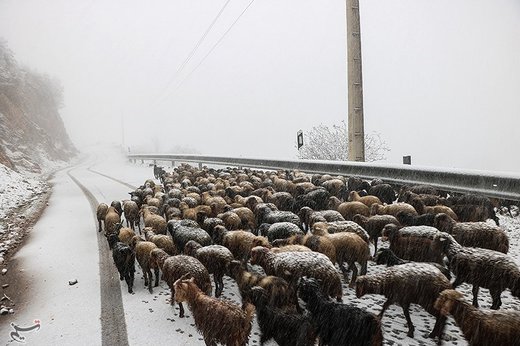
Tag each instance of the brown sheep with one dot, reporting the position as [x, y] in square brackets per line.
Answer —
[238, 242]
[436, 209]
[374, 225]
[480, 327]
[392, 209]
[340, 226]
[369, 200]
[112, 218]
[234, 323]
[162, 241]
[474, 234]
[156, 222]
[231, 220]
[142, 251]
[415, 243]
[349, 209]
[131, 211]
[291, 248]
[125, 234]
[313, 242]
[101, 212]
[175, 267]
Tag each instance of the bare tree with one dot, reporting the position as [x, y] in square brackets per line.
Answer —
[324, 142]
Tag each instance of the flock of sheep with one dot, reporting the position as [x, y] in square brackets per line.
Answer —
[300, 230]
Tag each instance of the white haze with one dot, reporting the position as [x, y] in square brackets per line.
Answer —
[441, 78]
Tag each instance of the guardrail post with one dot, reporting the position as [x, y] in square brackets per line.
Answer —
[173, 163]
[142, 161]
[200, 165]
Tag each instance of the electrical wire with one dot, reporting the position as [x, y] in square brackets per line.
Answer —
[213, 47]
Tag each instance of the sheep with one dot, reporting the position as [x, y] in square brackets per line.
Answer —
[247, 217]
[112, 218]
[231, 220]
[293, 265]
[474, 234]
[124, 234]
[349, 209]
[131, 211]
[175, 267]
[421, 208]
[385, 192]
[481, 268]
[335, 187]
[420, 189]
[117, 206]
[156, 222]
[162, 241]
[285, 327]
[374, 225]
[142, 251]
[357, 184]
[473, 208]
[101, 212]
[215, 258]
[239, 242]
[340, 226]
[279, 230]
[279, 293]
[316, 199]
[313, 242]
[217, 320]
[182, 232]
[353, 196]
[282, 200]
[124, 259]
[480, 327]
[414, 243]
[408, 219]
[264, 214]
[405, 284]
[339, 324]
[388, 257]
[392, 209]
[309, 216]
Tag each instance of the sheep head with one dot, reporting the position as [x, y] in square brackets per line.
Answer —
[360, 220]
[389, 231]
[443, 222]
[367, 285]
[446, 301]
[258, 254]
[308, 287]
[183, 286]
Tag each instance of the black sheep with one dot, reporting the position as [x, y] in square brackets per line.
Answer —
[339, 324]
[124, 259]
[286, 328]
[385, 192]
[408, 219]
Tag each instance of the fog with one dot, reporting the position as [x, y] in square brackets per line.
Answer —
[441, 78]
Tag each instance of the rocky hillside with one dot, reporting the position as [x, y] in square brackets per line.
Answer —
[31, 130]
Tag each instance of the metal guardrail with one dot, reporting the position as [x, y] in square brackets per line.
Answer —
[491, 184]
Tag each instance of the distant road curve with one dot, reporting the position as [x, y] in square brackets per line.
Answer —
[112, 178]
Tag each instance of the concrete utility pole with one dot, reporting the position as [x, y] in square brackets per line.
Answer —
[356, 131]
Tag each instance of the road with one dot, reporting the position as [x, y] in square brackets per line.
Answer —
[64, 245]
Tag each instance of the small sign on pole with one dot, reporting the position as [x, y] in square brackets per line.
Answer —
[407, 160]
[299, 139]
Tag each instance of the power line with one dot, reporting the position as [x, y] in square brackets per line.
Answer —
[214, 46]
[194, 50]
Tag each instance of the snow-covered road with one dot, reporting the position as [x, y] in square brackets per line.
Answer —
[64, 246]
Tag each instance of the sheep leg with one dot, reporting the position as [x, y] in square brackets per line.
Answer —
[181, 310]
[375, 245]
[129, 282]
[156, 270]
[150, 280]
[438, 327]
[209, 342]
[100, 226]
[495, 295]
[475, 295]
[385, 306]
[457, 282]
[219, 285]
[127, 224]
[354, 274]
[411, 328]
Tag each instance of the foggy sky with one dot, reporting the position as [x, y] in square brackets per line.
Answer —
[441, 78]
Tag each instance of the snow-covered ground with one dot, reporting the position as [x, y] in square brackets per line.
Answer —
[63, 246]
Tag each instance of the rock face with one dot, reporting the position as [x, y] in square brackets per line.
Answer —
[31, 130]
